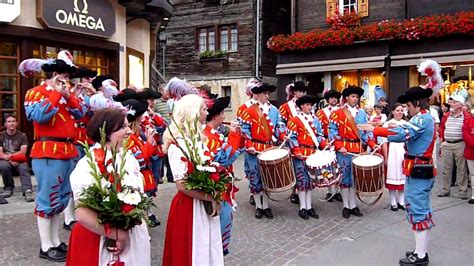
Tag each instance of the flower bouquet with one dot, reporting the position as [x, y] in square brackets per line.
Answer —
[115, 195]
[202, 174]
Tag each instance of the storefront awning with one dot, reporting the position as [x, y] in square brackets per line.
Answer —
[331, 65]
[456, 56]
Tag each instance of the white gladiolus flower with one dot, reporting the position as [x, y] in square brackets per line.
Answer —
[206, 168]
[132, 198]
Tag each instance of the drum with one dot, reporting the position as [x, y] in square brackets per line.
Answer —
[368, 173]
[276, 170]
[323, 168]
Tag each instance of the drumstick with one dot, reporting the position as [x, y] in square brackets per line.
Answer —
[329, 145]
[283, 143]
[353, 154]
[376, 148]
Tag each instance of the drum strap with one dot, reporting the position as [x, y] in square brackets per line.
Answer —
[292, 106]
[351, 121]
[310, 129]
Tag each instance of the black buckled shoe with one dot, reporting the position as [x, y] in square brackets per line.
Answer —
[69, 227]
[329, 197]
[346, 213]
[312, 213]
[153, 221]
[294, 199]
[62, 247]
[338, 197]
[401, 207]
[356, 212]
[259, 213]
[7, 193]
[413, 259]
[268, 213]
[393, 208]
[408, 253]
[303, 214]
[252, 200]
[53, 254]
[3, 200]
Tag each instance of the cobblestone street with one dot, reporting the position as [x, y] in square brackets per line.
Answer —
[287, 239]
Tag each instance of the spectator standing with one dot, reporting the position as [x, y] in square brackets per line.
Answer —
[453, 145]
[468, 136]
[384, 105]
[161, 107]
[378, 118]
[13, 147]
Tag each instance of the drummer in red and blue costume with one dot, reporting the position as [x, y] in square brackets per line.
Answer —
[248, 90]
[263, 128]
[305, 135]
[347, 138]
[222, 151]
[420, 136]
[332, 98]
[53, 109]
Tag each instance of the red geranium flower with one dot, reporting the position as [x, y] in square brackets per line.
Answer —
[215, 176]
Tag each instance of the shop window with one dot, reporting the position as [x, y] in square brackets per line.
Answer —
[457, 77]
[206, 39]
[95, 60]
[9, 79]
[228, 38]
[227, 91]
[135, 68]
[371, 80]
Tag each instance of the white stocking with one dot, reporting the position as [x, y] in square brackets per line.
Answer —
[44, 228]
[264, 201]
[401, 197]
[55, 223]
[258, 200]
[421, 242]
[302, 197]
[393, 197]
[345, 197]
[331, 189]
[69, 212]
[308, 200]
[352, 198]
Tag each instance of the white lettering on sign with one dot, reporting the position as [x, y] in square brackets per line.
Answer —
[79, 20]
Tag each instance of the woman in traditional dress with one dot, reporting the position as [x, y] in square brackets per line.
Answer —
[86, 243]
[192, 236]
[394, 153]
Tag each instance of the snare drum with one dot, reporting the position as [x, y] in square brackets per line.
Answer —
[276, 170]
[368, 173]
[323, 168]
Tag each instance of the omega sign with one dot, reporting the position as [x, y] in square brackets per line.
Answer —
[92, 17]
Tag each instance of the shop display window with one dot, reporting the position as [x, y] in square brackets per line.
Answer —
[457, 79]
[9, 77]
[135, 68]
[373, 82]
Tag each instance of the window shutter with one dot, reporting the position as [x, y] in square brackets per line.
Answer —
[331, 6]
[363, 8]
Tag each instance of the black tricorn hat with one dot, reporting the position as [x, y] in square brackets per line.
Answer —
[305, 99]
[353, 90]
[414, 94]
[332, 94]
[97, 82]
[59, 66]
[126, 94]
[299, 86]
[136, 108]
[149, 94]
[217, 107]
[263, 88]
[84, 72]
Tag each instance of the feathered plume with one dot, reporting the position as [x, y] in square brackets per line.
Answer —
[178, 88]
[66, 56]
[432, 70]
[110, 88]
[252, 84]
[289, 92]
[28, 67]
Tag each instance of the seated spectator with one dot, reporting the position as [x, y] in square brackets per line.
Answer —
[13, 146]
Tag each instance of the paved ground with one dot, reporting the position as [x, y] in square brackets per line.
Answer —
[378, 238]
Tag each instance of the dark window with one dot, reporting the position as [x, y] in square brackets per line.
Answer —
[227, 91]
[207, 39]
[228, 38]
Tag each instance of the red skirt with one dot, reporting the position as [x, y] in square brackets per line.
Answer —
[394, 187]
[178, 248]
[83, 247]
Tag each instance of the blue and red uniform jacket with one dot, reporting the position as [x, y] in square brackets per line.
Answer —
[53, 119]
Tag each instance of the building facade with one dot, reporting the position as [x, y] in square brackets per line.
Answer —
[218, 43]
[386, 63]
[114, 37]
